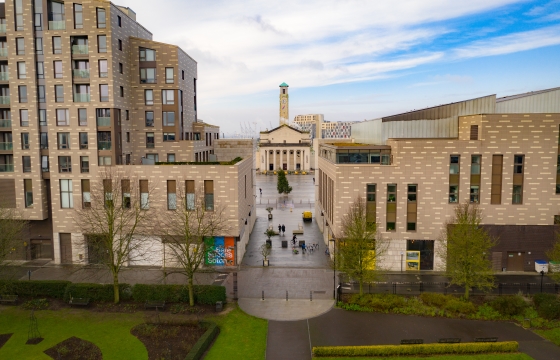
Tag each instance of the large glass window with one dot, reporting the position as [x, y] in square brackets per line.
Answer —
[101, 43]
[22, 91]
[18, 4]
[168, 118]
[168, 97]
[84, 164]
[63, 140]
[44, 140]
[517, 194]
[103, 69]
[169, 75]
[43, 117]
[20, 46]
[39, 46]
[150, 143]
[147, 54]
[64, 164]
[82, 117]
[149, 118]
[40, 70]
[101, 18]
[57, 44]
[26, 164]
[41, 95]
[66, 199]
[22, 71]
[103, 92]
[475, 164]
[83, 140]
[147, 75]
[209, 195]
[56, 15]
[25, 141]
[518, 164]
[149, 97]
[28, 189]
[24, 117]
[57, 65]
[78, 17]
[168, 136]
[59, 93]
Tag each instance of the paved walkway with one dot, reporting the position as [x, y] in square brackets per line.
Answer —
[282, 310]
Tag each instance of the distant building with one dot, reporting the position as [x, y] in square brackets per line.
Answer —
[328, 129]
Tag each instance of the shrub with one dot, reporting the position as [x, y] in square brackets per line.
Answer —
[378, 302]
[509, 305]
[549, 309]
[36, 304]
[203, 294]
[423, 349]
[96, 292]
[35, 288]
[487, 312]
[200, 347]
[538, 299]
[434, 299]
[209, 294]
[457, 306]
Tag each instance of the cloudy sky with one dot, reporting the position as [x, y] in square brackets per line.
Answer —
[355, 59]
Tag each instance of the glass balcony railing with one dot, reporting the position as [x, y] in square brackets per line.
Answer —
[6, 146]
[77, 73]
[4, 100]
[4, 76]
[57, 25]
[81, 97]
[150, 145]
[80, 49]
[2, 28]
[104, 145]
[4, 52]
[6, 167]
[5, 123]
[103, 121]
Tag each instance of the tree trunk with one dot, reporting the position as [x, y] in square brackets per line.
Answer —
[361, 288]
[467, 288]
[116, 288]
[191, 291]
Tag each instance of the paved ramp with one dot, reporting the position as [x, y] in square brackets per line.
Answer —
[282, 310]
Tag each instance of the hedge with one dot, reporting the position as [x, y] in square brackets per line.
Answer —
[34, 288]
[203, 294]
[204, 342]
[421, 349]
[96, 292]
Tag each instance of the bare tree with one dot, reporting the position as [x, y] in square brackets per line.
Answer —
[554, 255]
[189, 231]
[360, 249]
[12, 228]
[466, 248]
[116, 222]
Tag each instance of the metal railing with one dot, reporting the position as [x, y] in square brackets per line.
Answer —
[150, 145]
[4, 52]
[6, 167]
[4, 100]
[80, 49]
[103, 121]
[6, 146]
[81, 97]
[104, 145]
[4, 76]
[2, 28]
[5, 123]
[80, 74]
[57, 25]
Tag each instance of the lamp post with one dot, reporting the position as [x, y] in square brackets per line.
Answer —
[401, 259]
[542, 277]
[334, 267]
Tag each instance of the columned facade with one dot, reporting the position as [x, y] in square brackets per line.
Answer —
[290, 158]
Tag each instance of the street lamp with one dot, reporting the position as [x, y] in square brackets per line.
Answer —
[334, 267]
[542, 277]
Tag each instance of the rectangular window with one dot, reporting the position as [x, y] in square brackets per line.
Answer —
[41, 95]
[24, 117]
[22, 91]
[169, 75]
[101, 18]
[66, 198]
[150, 143]
[125, 189]
[104, 161]
[84, 164]
[518, 170]
[44, 140]
[170, 157]
[474, 194]
[168, 136]
[39, 46]
[454, 163]
[28, 189]
[25, 141]
[59, 93]
[78, 17]
[64, 164]
[147, 55]
[103, 69]
[121, 91]
[22, 70]
[371, 207]
[57, 65]
[40, 70]
[475, 164]
[103, 92]
[209, 195]
[144, 195]
[62, 117]
[127, 138]
[86, 194]
[149, 118]
[474, 132]
[121, 68]
[57, 44]
[103, 117]
[518, 164]
[147, 75]
[168, 118]
[56, 15]
[168, 97]
[42, 117]
[20, 46]
[149, 97]
[101, 43]
[171, 195]
[26, 164]
[83, 140]
[496, 190]
[18, 4]
[63, 141]
[82, 117]
[391, 207]
[120, 44]
[127, 114]
[104, 140]
[517, 194]
[44, 163]
[183, 74]
[189, 187]
[119, 21]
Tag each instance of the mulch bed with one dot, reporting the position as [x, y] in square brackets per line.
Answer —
[4, 339]
[167, 341]
[74, 349]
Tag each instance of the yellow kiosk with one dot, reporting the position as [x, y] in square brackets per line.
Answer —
[412, 260]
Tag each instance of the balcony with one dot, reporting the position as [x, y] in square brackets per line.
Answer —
[6, 146]
[5, 123]
[80, 98]
[150, 145]
[80, 49]
[103, 121]
[78, 74]
[6, 167]
[57, 25]
[4, 100]
[2, 28]
[4, 76]
[3, 52]
[104, 145]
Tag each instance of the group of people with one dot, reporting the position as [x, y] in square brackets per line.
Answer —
[281, 229]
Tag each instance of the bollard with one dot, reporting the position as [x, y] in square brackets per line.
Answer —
[311, 296]
[286, 295]
[263, 294]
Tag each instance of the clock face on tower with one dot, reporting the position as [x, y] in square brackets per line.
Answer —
[284, 101]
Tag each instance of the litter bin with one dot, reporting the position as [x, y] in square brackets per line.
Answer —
[541, 265]
[554, 266]
[219, 306]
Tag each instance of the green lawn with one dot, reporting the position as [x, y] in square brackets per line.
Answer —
[446, 357]
[109, 331]
[552, 335]
[241, 336]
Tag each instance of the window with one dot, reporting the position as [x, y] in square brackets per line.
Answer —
[62, 117]
[121, 91]
[169, 75]
[20, 46]
[28, 189]
[121, 68]
[22, 91]
[183, 74]
[44, 163]
[86, 195]
[84, 164]
[556, 219]
[22, 71]
[474, 194]
[127, 114]
[147, 55]
[82, 117]
[391, 193]
[168, 136]
[209, 195]
[144, 195]
[168, 118]
[42, 117]
[104, 161]
[101, 19]
[496, 189]
[101, 43]
[59, 93]
[454, 164]
[103, 92]
[25, 141]
[24, 117]
[38, 6]
[127, 138]
[147, 75]
[64, 164]
[40, 70]
[66, 199]
[171, 195]
[371, 207]
[149, 97]
[41, 96]
[44, 140]
[168, 97]
[103, 69]
[57, 44]
[104, 140]
[26, 164]
[391, 212]
[56, 15]
[63, 141]
[453, 193]
[411, 196]
[474, 132]
[150, 144]
[57, 65]
[120, 44]
[39, 46]
[125, 190]
[119, 21]
[83, 140]
[103, 117]
[518, 164]
[475, 164]
[149, 118]
[78, 17]
[170, 157]
[18, 4]
[517, 194]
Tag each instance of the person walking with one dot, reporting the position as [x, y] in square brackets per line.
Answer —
[260, 189]
[283, 230]
[279, 229]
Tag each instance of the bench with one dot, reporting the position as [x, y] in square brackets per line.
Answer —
[8, 299]
[297, 232]
[449, 340]
[486, 339]
[412, 341]
[79, 301]
[154, 304]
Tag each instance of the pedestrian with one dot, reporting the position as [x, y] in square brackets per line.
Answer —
[313, 180]
[302, 248]
[260, 189]
[279, 229]
[283, 230]
[294, 238]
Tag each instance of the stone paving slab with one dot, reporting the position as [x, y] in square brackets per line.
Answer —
[288, 340]
[282, 310]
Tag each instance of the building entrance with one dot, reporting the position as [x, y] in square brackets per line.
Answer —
[41, 249]
[271, 167]
[515, 261]
[426, 249]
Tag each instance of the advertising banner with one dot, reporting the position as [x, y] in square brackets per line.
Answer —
[220, 251]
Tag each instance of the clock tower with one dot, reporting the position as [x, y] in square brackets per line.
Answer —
[284, 104]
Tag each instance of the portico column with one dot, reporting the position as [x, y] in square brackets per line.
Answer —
[295, 159]
[303, 160]
[266, 159]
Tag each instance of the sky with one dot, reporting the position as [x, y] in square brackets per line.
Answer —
[353, 60]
